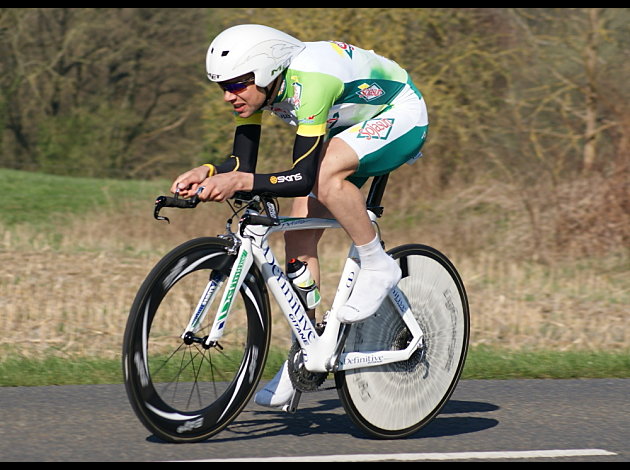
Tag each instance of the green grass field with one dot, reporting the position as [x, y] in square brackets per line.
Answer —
[75, 250]
[481, 363]
[37, 198]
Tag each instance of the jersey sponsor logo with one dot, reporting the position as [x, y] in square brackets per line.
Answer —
[281, 113]
[370, 92]
[296, 99]
[307, 119]
[285, 179]
[376, 129]
[342, 48]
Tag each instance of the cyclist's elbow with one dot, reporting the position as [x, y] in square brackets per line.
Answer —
[305, 186]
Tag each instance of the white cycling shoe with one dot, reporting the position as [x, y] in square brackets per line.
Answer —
[370, 291]
[278, 392]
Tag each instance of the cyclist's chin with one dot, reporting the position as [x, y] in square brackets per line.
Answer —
[244, 111]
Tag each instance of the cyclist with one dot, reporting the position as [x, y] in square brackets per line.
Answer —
[356, 113]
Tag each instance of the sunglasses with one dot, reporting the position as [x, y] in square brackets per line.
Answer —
[236, 87]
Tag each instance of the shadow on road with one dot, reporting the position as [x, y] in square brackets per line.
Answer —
[326, 418]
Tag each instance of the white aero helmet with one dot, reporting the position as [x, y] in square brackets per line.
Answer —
[248, 48]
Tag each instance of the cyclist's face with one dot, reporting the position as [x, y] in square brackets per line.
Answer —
[244, 96]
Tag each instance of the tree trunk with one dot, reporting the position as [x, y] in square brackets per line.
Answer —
[590, 131]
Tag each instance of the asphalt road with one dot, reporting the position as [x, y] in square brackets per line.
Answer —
[541, 420]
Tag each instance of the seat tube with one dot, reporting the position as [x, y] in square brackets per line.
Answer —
[348, 278]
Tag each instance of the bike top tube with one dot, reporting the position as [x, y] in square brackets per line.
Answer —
[373, 203]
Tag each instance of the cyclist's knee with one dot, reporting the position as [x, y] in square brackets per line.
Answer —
[331, 187]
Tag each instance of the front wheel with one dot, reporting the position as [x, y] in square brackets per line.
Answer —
[180, 390]
[396, 400]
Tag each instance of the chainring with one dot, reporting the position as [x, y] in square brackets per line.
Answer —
[302, 379]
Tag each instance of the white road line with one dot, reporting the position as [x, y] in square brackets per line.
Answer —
[517, 454]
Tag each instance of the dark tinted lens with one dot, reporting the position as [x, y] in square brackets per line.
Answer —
[236, 87]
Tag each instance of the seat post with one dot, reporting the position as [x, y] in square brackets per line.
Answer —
[375, 195]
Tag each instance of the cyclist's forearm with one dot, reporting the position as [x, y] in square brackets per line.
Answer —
[244, 151]
[300, 179]
[246, 143]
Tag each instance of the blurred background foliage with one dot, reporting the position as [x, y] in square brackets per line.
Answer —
[533, 99]
[123, 93]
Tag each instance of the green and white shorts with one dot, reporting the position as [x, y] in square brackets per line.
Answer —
[388, 140]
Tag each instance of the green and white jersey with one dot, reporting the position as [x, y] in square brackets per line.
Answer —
[332, 89]
[332, 85]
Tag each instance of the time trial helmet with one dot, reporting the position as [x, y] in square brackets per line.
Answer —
[247, 48]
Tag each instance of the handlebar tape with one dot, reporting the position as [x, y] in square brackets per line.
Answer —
[166, 201]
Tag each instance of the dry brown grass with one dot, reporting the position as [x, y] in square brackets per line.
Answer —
[68, 290]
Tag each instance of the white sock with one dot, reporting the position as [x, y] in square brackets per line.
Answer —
[378, 275]
[278, 391]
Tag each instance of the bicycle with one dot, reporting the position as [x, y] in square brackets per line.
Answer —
[188, 374]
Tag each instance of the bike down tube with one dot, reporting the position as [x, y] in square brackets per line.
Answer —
[282, 290]
[318, 349]
[243, 262]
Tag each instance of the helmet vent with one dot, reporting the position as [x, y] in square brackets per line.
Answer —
[224, 53]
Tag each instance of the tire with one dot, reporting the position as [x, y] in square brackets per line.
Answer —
[185, 392]
[397, 400]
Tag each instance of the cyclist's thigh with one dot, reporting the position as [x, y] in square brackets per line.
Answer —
[390, 139]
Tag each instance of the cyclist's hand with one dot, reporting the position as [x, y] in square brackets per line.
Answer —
[223, 186]
[187, 183]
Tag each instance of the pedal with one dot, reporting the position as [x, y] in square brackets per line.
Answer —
[291, 407]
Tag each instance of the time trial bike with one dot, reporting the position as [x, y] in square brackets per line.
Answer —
[199, 331]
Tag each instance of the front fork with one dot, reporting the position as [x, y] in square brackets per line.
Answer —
[242, 264]
[207, 298]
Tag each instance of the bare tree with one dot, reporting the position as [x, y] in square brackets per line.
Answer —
[100, 91]
[562, 83]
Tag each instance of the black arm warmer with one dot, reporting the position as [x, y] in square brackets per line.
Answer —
[244, 151]
[299, 180]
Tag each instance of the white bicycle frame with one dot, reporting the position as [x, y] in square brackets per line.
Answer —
[318, 350]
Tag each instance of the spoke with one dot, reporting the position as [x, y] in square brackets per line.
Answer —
[195, 385]
[165, 361]
[208, 358]
[177, 374]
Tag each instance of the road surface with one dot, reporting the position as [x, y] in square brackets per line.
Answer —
[540, 420]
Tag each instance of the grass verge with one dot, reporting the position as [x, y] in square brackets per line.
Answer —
[38, 198]
[489, 363]
[482, 363]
